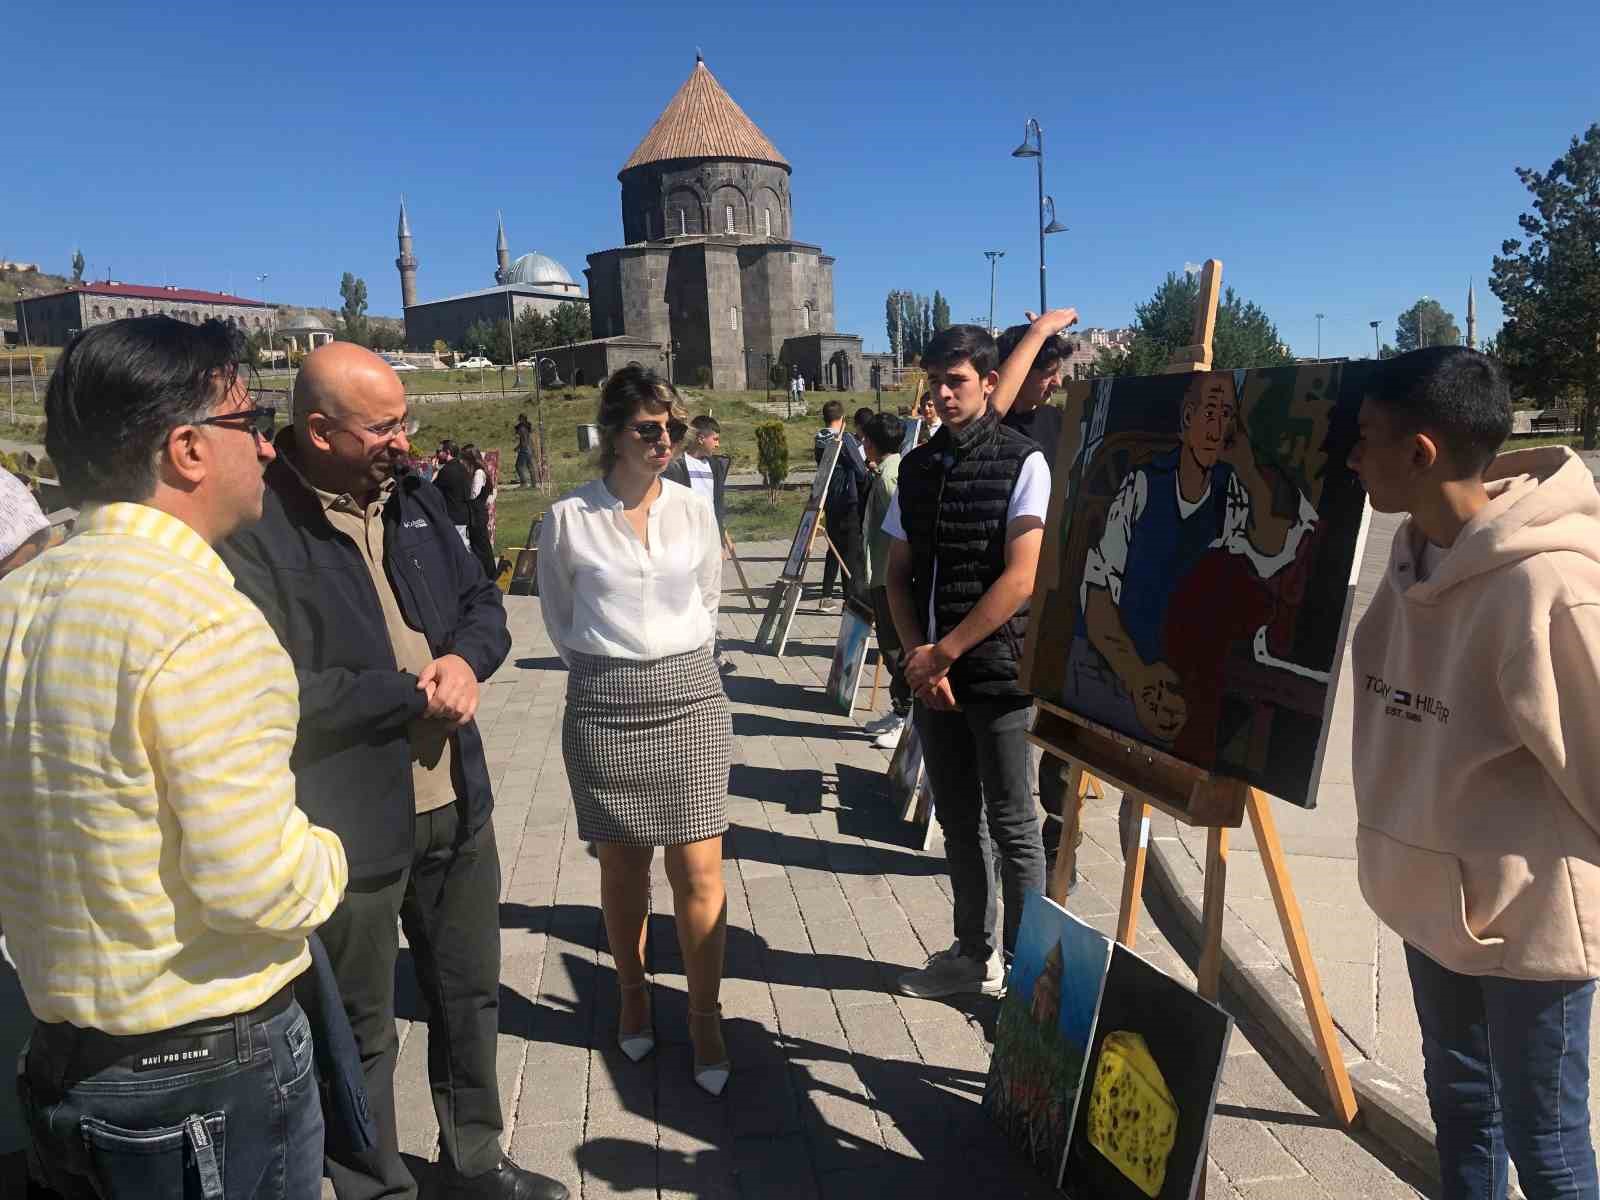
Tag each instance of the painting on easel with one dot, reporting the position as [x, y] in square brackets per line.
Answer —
[1195, 591]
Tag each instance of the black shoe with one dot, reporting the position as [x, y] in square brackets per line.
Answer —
[505, 1182]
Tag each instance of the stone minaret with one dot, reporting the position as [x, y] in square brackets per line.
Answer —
[1472, 318]
[407, 262]
[502, 254]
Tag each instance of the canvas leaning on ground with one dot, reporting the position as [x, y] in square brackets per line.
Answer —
[1042, 1037]
[1195, 583]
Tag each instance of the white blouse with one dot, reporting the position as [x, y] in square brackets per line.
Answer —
[604, 593]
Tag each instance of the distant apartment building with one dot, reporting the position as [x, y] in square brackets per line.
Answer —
[1087, 345]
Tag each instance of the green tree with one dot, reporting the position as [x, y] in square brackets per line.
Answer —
[77, 266]
[1425, 323]
[941, 312]
[1244, 337]
[772, 456]
[492, 338]
[1549, 283]
[353, 313]
[385, 337]
[915, 321]
[570, 323]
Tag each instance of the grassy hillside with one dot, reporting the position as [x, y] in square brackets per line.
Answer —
[11, 282]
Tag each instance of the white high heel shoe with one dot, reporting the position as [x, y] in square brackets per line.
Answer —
[713, 1077]
[637, 1045]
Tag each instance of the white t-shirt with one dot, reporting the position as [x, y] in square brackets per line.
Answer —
[1030, 498]
[700, 477]
[603, 592]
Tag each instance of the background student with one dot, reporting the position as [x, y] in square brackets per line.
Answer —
[705, 472]
[1477, 750]
[841, 508]
[881, 443]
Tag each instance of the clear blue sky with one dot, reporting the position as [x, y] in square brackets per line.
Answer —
[1344, 159]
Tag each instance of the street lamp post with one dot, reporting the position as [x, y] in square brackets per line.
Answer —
[1319, 336]
[993, 256]
[1033, 147]
[1376, 352]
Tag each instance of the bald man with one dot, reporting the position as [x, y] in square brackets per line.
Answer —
[392, 626]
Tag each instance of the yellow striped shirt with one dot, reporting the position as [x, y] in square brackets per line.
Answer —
[154, 869]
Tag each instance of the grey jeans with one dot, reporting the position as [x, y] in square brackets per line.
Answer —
[979, 765]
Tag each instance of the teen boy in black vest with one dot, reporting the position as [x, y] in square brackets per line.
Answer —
[967, 524]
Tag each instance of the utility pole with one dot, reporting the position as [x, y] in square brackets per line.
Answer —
[1376, 351]
[993, 256]
[899, 332]
[1319, 336]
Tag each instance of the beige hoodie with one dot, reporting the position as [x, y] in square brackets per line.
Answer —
[1477, 732]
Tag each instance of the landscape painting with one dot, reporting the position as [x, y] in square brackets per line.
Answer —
[1042, 1037]
[1199, 563]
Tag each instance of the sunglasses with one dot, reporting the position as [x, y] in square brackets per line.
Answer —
[651, 431]
[260, 421]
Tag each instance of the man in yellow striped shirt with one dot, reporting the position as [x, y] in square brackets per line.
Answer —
[157, 881]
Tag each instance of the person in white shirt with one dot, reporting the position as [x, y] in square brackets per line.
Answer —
[705, 472]
[24, 531]
[630, 576]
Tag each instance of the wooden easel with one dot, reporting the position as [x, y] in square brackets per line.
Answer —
[733, 553]
[1150, 779]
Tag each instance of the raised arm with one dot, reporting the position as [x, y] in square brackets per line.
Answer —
[1015, 369]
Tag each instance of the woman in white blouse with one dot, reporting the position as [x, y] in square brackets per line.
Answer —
[630, 574]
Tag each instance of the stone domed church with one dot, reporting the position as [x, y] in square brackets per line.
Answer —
[709, 283]
[709, 262]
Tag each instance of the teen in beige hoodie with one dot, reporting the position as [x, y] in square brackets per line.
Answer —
[1477, 765]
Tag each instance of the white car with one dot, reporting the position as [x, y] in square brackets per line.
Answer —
[476, 363]
[404, 366]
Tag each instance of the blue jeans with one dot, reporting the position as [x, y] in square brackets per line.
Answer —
[108, 1124]
[1507, 1068]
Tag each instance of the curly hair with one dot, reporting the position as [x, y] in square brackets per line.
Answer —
[631, 390]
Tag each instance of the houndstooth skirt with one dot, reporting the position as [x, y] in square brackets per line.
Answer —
[647, 746]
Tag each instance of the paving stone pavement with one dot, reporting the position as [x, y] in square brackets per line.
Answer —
[841, 1088]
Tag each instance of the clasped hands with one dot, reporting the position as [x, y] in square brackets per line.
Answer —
[927, 670]
[452, 691]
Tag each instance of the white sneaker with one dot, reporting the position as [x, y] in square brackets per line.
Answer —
[889, 739]
[889, 720]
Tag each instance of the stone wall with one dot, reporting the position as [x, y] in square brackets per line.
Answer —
[449, 320]
[691, 197]
[50, 320]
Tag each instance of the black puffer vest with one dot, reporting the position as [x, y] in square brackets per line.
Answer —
[954, 493]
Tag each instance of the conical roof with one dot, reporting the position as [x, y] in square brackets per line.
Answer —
[702, 121]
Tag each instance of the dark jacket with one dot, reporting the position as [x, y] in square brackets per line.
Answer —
[954, 495]
[1042, 424]
[678, 472]
[352, 756]
[847, 490]
[454, 482]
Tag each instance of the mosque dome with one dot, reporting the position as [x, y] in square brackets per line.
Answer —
[536, 269]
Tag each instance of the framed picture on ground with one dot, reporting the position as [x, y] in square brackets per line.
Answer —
[849, 657]
[1045, 1029]
[910, 793]
[1144, 1113]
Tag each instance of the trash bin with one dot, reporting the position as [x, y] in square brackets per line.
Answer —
[588, 437]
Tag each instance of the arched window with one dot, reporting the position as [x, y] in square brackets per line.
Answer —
[728, 210]
[805, 317]
[258, 322]
[96, 312]
[144, 312]
[766, 222]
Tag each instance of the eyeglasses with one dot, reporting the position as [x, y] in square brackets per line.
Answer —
[389, 430]
[260, 421]
[649, 431]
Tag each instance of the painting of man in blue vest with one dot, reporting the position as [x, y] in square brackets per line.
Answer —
[1201, 526]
